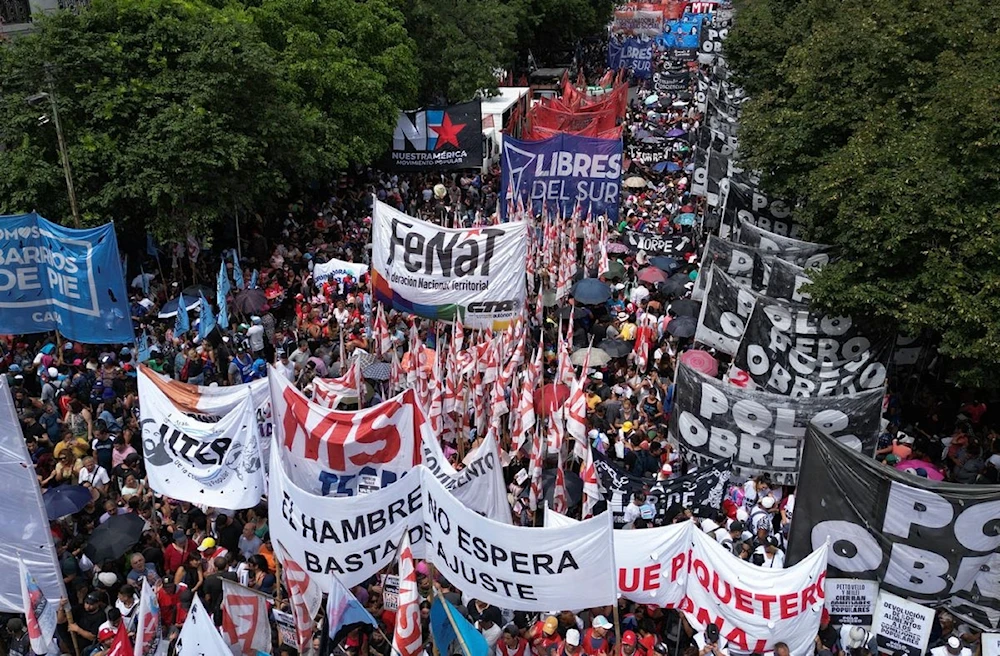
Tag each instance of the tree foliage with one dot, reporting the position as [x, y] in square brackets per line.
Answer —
[883, 118]
[176, 113]
[549, 28]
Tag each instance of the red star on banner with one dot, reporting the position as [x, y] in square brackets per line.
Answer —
[447, 132]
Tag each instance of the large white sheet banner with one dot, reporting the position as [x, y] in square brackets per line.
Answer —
[214, 463]
[351, 537]
[343, 453]
[479, 485]
[516, 567]
[337, 270]
[24, 527]
[678, 566]
[438, 273]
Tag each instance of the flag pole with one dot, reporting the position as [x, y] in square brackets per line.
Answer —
[614, 583]
[66, 608]
[430, 597]
[458, 634]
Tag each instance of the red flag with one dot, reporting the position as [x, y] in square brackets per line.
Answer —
[121, 645]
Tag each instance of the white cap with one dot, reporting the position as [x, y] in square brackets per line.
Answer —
[597, 375]
[601, 622]
[709, 525]
[767, 502]
[573, 637]
[742, 514]
[53, 372]
[954, 642]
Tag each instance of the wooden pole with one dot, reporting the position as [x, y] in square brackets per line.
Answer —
[69, 620]
[433, 575]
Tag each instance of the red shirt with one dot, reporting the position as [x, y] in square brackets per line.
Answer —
[174, 557]
[520, 650]
[169, 604]
[592, 644]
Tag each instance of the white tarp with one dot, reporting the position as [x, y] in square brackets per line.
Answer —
[435, 272]
[24, 527]
[517, 567]
[338, 270]
[479, 485]
[341, 452]
[678, 566]
[214, 463]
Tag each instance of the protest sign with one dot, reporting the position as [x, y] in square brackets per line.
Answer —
[353, 538]
[780, 243]
[515, 567]
[57, 278]
[763, 432]
[851, 601]
[789, 350]
[670, 245]
[476, 274]
[285, 624]
[561, 173]
[732, 259]
[480, 484]
[632, 54]
[701, 491]
[24, 534]
[440, 138]
[216, 463]
[338, 451]
[390, 591]
[637, 21]
[886, 525]
[337, 270]
[901, 625]
[724, 312]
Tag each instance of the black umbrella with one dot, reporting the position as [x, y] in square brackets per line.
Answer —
[65, 500]
[115, 537]
[591, 291]
[675, 286]
[685, 308]
[666, 264]
[249, 301]
[616, 348]
[199, 290]
[377, 371]
[682, 326]
[567, 310]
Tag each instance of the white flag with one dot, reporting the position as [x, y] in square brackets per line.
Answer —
[148, 638]
[244, 619]
[198, 635]
[39, 613]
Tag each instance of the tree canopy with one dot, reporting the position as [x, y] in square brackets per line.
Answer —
[176, 113]
[883, 119]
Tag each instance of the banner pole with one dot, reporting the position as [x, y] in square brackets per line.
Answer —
[69, 620]
[614, 582]
[433, 574]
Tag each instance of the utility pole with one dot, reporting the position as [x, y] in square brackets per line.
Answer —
[61, 138]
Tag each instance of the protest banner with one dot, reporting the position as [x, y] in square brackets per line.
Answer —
[700, 491]
[734, 260]
[562, 173]
[476, 274]
[779, 242]
[440, 138]
[724, 312]
[24, 534]
[353, 538]
[57, 278]
[926, 541]
[763, 432]
[746, 204]
[341, 452]
[337, 270]
[669, 245]
[480, 484]
[637, 21]
[787, 349]
[632, 54]
[245, 625]
[515, 567]
[216, 463]
[851, 601]
[901, 625]
[786, 280]
[678, 566]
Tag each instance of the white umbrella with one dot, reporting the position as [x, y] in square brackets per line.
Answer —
[635, 182]
[598, 357]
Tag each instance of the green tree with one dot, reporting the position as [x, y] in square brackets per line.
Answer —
[882, 118]
[551, 29]
[461, 45]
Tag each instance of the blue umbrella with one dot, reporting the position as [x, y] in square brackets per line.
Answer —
[667, 166]
[169, 309]
[591, 291]
[676, 133]
[666, 264]
[65, 500]
[686, 219]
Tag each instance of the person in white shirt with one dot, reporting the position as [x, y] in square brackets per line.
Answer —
[255, 335]
[284, 366]
[633, 510]
[93, 474]
[952, 648]
[774, 557]
[710, 643]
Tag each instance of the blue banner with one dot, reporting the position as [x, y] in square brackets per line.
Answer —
[634, 54]
[55, 278]
[683, 33]
[561, 172]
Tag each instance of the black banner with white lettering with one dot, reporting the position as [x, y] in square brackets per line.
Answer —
[666, 82]
[438, 138]
[785, 281]
[724, 313]
[788, 350]
[672, 245]
[802, 253]
[747, 204]
[934, 543]
[700, 492]
[734, 260]
[763, 432]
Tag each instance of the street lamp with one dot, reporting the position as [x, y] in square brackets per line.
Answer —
[63, 155]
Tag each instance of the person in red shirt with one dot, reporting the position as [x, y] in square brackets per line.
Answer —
[169, 600]
[571, 646]
[209, 552]
[544, 637]
[628, 644]
[511, 643]
[596, 639]
[177, 552]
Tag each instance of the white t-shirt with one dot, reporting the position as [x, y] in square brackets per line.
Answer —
[99, 476]
[943, 651]
[255, 334]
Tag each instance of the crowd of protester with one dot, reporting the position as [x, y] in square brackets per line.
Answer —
[78, 409]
